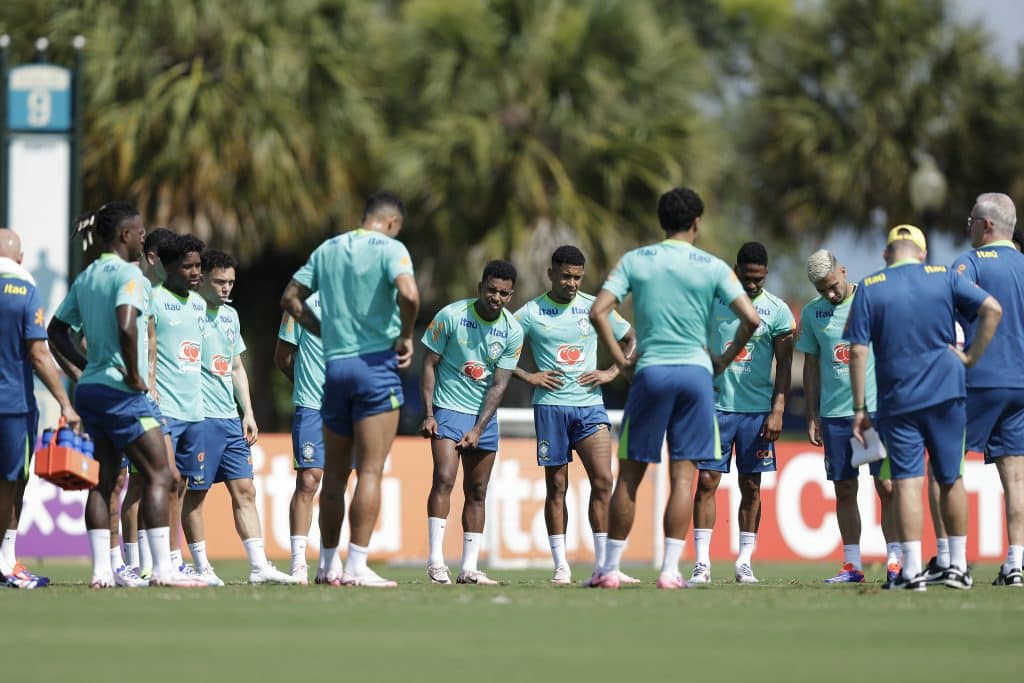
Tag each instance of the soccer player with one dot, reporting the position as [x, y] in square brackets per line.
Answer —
[568, 406]
[108, 302]
[179, 316]
[830, 409]
[674, 287]
[300, 356]
[369, 302]
[226, 438]
[22, 349]
[473, 346]
[995, 386]
[920, 377]
[748, 407]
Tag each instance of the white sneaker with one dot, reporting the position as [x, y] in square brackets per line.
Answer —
[626, 578]
[439, 575]
[177, 580]
[301, 574]
[367, 579]
[268, 573]
[563, 576]
[744, 574]
[475, 577]
[102, 581]
[188, 571]
[210, 577]
[125, 577]
[701, 574]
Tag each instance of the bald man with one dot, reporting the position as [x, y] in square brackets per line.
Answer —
[22, 349]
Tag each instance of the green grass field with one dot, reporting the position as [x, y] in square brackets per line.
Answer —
[790, 627]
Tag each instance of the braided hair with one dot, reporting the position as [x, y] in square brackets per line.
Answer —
[103, 222]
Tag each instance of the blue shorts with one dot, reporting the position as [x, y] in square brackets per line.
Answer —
[559, 428]
[188, 439]
[118, 416]
[159, 417]
[995, 422]
[227, 455]
[453, 425]
[677, 399]
[15, 447]
[940, 428]
[836, 433]
[307, 438]
[33, 428]
[742, 432]
[360, 387]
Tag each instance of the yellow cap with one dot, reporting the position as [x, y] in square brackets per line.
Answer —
[908, 232]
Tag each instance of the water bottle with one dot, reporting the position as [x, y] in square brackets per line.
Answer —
[66, 437]
[88, 447]
[47, 437]
[77, 442]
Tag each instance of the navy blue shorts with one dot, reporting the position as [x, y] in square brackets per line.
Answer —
[188, 440]
[560, 428]
[360, 387]
[451, 424]
[940, 428]
[307, 438]
[995, 422]
[15, 446]
[677, 399]
[118, 416]
[836, 433]
[227, 455]
[741, 432]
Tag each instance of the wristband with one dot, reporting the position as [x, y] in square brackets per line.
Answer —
[860, 409]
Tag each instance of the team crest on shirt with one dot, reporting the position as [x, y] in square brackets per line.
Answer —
[495, 349]
[230, 334]
[308, 450]
[543, 448]
[570, 354]
[584, 326]
[201, 457]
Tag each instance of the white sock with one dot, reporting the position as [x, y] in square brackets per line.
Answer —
[257, 555]
[557, 543]
[893, 553]
[958, 552]
[160, 551]
[702, 546]
[471, 542]
[851, 555]
[131, 551]
[198, 551]
[116, 558]
[942, 552]
[298, 552]
[355, 563]
[145, 554]
[435, 531]
[673, 551]
[747, 542]
[613, 556]
[99, 543]
[330, 563]
[1014, 555]
[600, 548]
[911, 558]
[7, 553]
[176, 559]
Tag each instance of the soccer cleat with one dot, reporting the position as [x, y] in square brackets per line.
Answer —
[933, 574]
[563, 576]
[611, 581]
[268, 573]
[189, 571]
[892, 570]
[439, 574]
[144, 573]
[1010, 578]
[592, 581]
[102, 581]
[627, 579]
[475, 577]
[744, 574]
[301, 574]
[23, 574]
[669, 581]
[210, 577]
[701, 574]
[177, 580]
[125, 577]
[955, 578]
[21, 583]
[919, 583]
[847, 574]
[324, 578]
[367, 579]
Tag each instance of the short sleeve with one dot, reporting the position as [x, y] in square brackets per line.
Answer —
[34, 317]
[397, 260]
[966, 267]
[524, 317]
[68, 310]
[806, 341]
[783, 322]
[239, 342]
[727, 285]
[618, 280]
[619, 324]
[510, 356]
[307, 274]
[858, 324]
[967, 296]
[436, 336]
[131, 290]
[288, 331]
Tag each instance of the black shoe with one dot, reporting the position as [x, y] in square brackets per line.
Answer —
[955, 578]
[933, 573]
[917, 583]
[1011, 578]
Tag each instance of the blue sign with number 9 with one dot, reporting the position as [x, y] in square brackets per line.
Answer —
[39, 98]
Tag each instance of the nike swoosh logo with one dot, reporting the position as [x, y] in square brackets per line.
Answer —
[174, 323]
